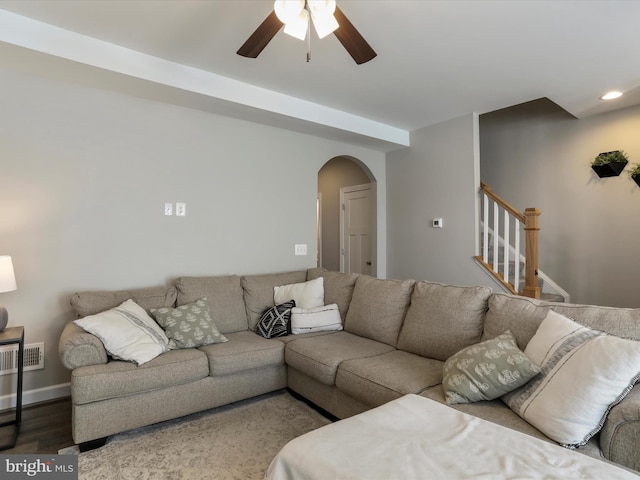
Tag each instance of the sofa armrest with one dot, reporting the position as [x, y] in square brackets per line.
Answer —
[620, 435]
[78, 348]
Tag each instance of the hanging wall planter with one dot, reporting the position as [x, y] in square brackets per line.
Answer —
[635, 174]
[610, 164]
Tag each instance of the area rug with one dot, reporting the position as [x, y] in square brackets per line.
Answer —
[237, 441]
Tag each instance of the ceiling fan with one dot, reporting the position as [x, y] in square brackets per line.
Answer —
[297, 16]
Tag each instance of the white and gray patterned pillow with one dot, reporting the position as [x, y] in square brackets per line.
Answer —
[189, 325]
[275, 321]
[584, 374]
[486, 370]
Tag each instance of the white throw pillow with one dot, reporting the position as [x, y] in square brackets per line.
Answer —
[128, 332]
[306, 294]
[584, 374]
[319, 319]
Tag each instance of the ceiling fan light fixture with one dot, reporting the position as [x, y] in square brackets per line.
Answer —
[322, 15]
[324, 24]
[298, 27]
[288, 10]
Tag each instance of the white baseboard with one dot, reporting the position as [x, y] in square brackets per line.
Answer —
[36, 395]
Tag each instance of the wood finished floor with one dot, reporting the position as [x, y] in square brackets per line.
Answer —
[46, 428]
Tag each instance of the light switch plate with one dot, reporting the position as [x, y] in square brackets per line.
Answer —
[437, 223]
[168, 208]
[181, 209]
[301, 249]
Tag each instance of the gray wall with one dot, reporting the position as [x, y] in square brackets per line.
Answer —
[85, 175]
[537, 155]
[337, 173]
[436, 177]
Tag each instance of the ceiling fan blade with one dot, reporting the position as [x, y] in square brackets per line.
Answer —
[351, 39]
[261, 37]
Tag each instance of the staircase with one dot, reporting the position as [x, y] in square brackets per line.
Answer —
[501, 228]
[549, 291]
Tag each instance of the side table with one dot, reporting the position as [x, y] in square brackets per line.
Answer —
[10, 336]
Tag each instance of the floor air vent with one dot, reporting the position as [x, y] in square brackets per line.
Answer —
[33, 358]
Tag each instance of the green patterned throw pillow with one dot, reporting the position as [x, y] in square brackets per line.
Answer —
[189, 325]
[486, 370]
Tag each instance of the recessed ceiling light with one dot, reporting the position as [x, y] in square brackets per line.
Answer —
[611, 95]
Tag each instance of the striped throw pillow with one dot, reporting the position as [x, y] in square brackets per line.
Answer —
[584, 373]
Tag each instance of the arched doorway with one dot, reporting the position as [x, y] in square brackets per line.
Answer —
[347, 190]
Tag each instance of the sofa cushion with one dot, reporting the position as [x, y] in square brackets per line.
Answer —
[443, 319]
[225, 297]
[319, 356]
[258, 292]
[523, 316]
[378, 308]
[90, 303]
[119, 379]
[306, 294]
[338, 288]
[584, 373]
[244, 351]
[520, 315]
[377, 380]
[188, 325]
[487, 370]
[621, 322]
[127, 332]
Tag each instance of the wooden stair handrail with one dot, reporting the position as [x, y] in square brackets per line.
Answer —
[531, 226]
[503, 203]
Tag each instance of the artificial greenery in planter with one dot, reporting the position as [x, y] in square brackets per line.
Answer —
[610, 164]
[635, 174]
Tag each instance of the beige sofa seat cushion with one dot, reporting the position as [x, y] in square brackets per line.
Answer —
[118, 379]
[377, 380]
[225, 297]
[244, 351]
[90, 303]
[378, 308]
[497, 412]
[258, 292]
[443, 319]
[338, 288]
[319, 357]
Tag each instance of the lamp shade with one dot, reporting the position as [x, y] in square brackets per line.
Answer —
[7, 277]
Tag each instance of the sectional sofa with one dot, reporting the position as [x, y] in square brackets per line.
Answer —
[397, 338]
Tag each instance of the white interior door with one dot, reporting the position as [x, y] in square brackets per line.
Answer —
[355, 229]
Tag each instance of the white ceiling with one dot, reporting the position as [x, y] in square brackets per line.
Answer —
[436, 59]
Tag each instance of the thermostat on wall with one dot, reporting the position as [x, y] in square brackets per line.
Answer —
[437, 223]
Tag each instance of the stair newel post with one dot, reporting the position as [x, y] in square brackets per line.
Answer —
[531, 228]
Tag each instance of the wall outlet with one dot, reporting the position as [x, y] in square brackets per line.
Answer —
[437, 223]
[301, 249]
[181, 209]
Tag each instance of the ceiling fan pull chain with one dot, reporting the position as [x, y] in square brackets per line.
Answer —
[306, 5]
